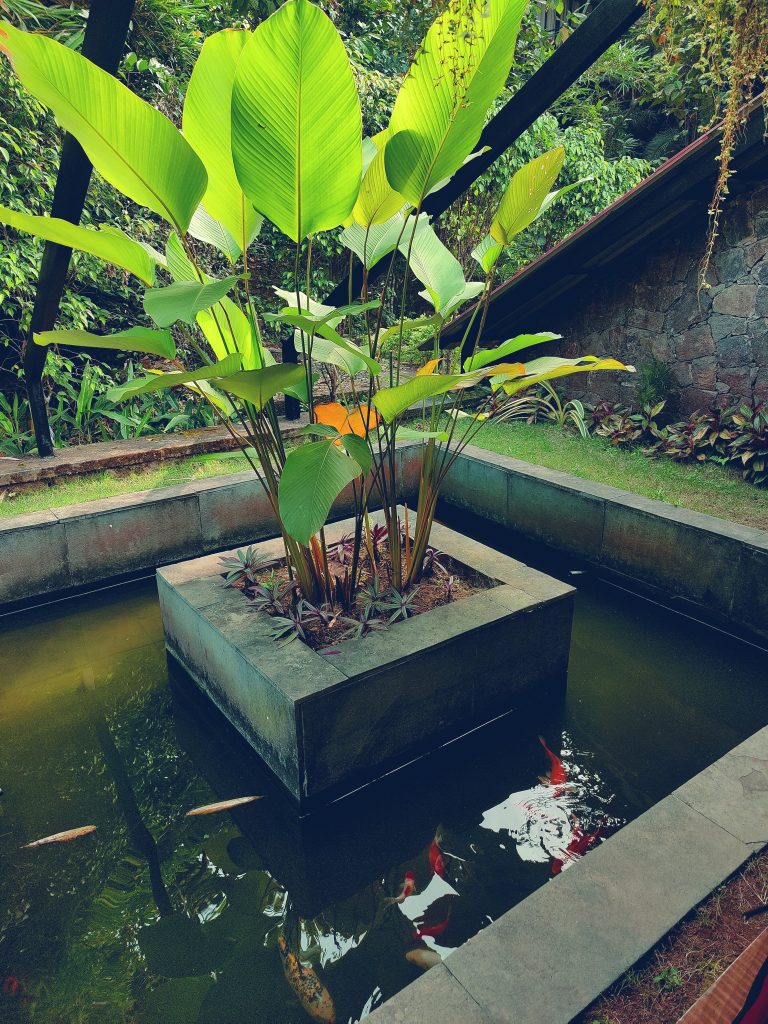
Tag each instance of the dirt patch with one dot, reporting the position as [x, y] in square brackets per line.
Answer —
[691, 958]
[376, 607]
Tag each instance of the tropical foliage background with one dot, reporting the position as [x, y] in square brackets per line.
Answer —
[628, 112]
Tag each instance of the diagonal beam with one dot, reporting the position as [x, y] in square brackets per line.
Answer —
[607, 23]
[105, 34]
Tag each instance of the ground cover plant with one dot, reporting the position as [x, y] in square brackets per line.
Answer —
[289, 149]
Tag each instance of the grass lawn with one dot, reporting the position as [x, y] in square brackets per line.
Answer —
[716, 490]
[73, 490]
[704, 488]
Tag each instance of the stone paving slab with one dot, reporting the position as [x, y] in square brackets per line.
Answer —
[435, 997]
[554, 953]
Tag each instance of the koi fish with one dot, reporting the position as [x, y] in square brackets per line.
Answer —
[12, 986]
[576, 849]
[432, 930]
[225, 805]
[61, 837]
[423, 958]
[556, 775]
[408, 888]
[312, 994]
[436, 859]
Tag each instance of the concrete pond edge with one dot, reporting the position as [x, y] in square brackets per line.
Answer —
[695, 563]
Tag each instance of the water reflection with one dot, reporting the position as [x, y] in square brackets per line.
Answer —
[255, 915]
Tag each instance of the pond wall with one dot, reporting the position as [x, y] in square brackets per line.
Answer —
[711, 568]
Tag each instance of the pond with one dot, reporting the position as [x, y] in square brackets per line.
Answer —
[252, 916]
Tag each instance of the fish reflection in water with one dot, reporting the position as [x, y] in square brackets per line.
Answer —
[542, 820]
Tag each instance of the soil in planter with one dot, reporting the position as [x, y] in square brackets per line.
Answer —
[444, 580]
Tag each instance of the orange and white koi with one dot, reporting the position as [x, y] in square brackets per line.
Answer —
[423, 958]
[576, 849]
[407, 889]
[312, 994]
[556, 775]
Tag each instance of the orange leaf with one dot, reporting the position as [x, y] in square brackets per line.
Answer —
[224, 805]
[332, 414]
[62, 837]
[428, 368]
[360, 421]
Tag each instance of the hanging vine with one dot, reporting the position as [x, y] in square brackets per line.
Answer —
[724, 45]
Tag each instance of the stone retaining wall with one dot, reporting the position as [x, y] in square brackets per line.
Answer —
[715, 341]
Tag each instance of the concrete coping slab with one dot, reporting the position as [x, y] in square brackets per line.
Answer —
[552, 955]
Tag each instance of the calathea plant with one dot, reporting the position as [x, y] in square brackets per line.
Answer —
[272, 129]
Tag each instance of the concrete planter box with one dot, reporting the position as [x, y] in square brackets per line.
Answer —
[326, 724]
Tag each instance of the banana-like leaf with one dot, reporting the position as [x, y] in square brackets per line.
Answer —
[210, 231]
[296, 122]
[377, 201]
[438, 270]
[135, 147]
[313, 477]
[439, 112]
[258, 386]
[506, 348]
[550, 367]
[326, 352]
[135, 339]
[325, 331]
[228, 329]
[178, 264]
[373, 244]
[184, 300]
[525, 195]
[393, 402]
[358, 448]
[109, 244]
[332, 314]
[161, 381]
[487, 253]
[207, 125]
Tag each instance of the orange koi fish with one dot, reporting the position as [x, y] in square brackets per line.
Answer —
[432, 930]
[556, 775]
[436, 859]
[423, 958]
[312, 994]
[408, 888]
[576, 849]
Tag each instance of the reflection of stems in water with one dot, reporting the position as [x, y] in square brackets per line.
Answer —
[140, 835]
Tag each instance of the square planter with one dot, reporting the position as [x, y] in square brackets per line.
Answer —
[327, 724]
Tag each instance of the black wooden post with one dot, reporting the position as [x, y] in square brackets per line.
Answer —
[607, 23]
[105, 35]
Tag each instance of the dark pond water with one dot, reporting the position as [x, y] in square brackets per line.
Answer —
[157, 917]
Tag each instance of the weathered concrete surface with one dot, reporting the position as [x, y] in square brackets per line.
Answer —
[325, 725]
[554, 953]
[709, 567]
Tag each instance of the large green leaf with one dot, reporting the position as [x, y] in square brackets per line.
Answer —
[393, 402]
[161, 381]
[184, 300]
[135, 339]
[438, 270]
[135, 147]
[506, 348]
[109, 244]
[439, 112]
[487, 253]
[208, 103]
[313, 477]
[296, 122]
[525, 194]
[320, 330]
[372, 244]
[549, 367]
[377, 201]
[228, 329]
[258, 386]
[210, 231]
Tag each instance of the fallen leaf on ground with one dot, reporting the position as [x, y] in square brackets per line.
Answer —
[62, 837]
[223, 806]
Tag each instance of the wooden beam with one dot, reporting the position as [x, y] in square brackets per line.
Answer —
[105, 34]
